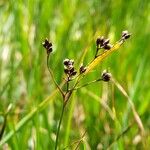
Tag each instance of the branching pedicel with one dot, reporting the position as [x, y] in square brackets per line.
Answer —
[73, 76]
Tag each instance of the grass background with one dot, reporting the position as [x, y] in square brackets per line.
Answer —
[71, 26]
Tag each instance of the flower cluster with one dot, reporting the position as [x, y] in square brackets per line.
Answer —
[69, 68]
[48, 46]
[125, 35]
[82, 69]
[106, 76]
[101, 42]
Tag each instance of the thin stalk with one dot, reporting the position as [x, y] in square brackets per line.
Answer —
[88, 84]
[51, 73]
[97, 49]
[67, 84]
[77, 81]
[3, 127]
[60, 121]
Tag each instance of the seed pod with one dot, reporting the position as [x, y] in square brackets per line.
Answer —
[66, 62]
[71, 69]
[125, 35]
[74, 73]
[100, 41]
[108, 46]
[49, 50]
[82, 69]
[66, 70]
[106, 76]
[47, 45]
[106, 41]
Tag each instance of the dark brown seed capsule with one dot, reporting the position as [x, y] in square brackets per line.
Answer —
[50, 50]
[71, 69]
[66, 62]
[108, 46]
[125, 34]
[106, 76]
[82, 69]
[66, 71]
[47, 45]
[100, 41]
[74, 73]
[106, 41]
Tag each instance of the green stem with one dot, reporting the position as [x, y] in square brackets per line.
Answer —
[3, 127]
[97, 49]
[52, 76]
[86, 84]
[60, 121]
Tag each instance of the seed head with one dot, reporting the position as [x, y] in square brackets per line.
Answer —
[125, 34]
[66, 61]
[48, 46]
[82, 69]
[107, 46]
[66, 70]
[103, 43]
[106, 76]
[99, 41]
[106, 41]
[73, 73]
[69, 67]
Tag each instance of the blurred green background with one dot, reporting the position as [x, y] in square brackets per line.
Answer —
[72, 26]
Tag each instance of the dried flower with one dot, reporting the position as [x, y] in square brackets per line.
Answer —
[82, 69]
[99, 41]
[125, 35]
[69, 68]
[107, 46]
[103, 43]
[48, 46]
[106, 41]
[66, 62]
[73, 73]
[106, 76]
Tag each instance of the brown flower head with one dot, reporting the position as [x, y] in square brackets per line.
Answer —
[48, 46]
[106, 76]
[125, 35]
[82, 69]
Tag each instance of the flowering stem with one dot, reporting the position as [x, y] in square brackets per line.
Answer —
[67, 84]
[60, 121]
[97, 49]
[88, 83]
[51, 73]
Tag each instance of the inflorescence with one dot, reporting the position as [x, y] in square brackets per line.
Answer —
[69, 68]
[48, 46]
[101, 43]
